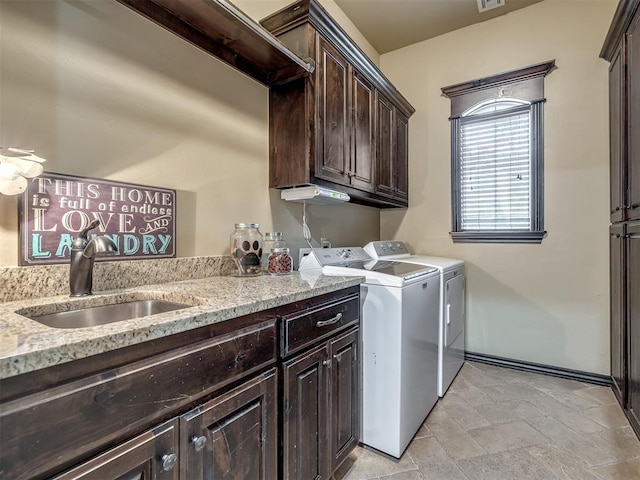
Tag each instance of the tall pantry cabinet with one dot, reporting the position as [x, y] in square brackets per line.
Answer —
[622, 50]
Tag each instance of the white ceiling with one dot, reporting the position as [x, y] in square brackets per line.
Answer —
[392, 24]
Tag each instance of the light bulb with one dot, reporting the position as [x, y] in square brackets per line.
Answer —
[25, 167]
[8, 171]
[13, 187]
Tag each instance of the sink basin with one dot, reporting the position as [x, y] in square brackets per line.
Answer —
[103, 314]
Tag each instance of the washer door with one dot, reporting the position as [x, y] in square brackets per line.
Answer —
[453, 309]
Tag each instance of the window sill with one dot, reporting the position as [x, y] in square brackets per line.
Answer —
[497, 237]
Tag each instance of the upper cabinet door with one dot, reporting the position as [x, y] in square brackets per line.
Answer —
[363, 134]
[385, 149]
[617, 176]
[401, 161]
[633, 108]
[333, 115]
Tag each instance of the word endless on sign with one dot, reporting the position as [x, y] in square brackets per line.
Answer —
[139, 219]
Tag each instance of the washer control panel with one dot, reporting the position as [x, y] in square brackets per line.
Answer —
[384, 248]
[342, 257]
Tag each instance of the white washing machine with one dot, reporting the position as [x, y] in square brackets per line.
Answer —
[452, 313]
[399, 332]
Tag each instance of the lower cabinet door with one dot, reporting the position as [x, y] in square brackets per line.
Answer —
[617, 258]
[633, 322]
[345, 403]
[234, 436]
[305, 436]
[152, 455]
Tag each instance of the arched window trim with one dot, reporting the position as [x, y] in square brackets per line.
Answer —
[506, 102]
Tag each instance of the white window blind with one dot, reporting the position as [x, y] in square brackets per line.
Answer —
[495, 168]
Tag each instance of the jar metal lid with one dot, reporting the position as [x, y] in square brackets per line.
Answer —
[280, 250]
[247, 225]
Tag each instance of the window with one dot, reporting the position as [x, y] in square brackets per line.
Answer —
[497, 157]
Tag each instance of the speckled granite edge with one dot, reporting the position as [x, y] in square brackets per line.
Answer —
[26, 345]
[19, 283]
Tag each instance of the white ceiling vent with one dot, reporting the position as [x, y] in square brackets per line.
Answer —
[484, 5]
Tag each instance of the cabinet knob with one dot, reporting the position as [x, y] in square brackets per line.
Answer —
[169, 461]
[327, 363]
[199, 442]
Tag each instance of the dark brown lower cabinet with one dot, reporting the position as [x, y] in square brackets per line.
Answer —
[233, 437]
[617, 281]
[633, 324]
[320, 408]
[345, 411]
[151, 455]
[204, 404]
[305, 427]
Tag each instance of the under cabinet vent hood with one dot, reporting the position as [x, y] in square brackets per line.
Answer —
[314, 194]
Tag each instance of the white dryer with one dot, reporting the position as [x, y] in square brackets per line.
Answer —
[452, 312]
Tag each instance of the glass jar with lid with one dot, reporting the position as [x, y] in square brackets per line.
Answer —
[246, 248]
[271, 241]
[280, 262]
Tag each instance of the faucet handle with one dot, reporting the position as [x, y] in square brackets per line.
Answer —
[91, 226]
[81, 240]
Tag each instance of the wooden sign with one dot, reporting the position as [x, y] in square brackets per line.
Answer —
[139, 219]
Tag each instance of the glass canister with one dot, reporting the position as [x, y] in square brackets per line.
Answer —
[246, 248]
[271, 241]
[280, 262]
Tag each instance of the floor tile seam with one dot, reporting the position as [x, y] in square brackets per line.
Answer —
[607, 427]
[543, 465]
[474, 412]
[517, 451]
[383, 477]
[452, 460]
[617, 462]
[446, 449]
[566, 454]
[584, 437]
[454, 463]
[456, 423]
[559, 418]
[591, 443]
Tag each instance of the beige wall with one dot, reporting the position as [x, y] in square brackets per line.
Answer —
[543, 303]
[100, 91]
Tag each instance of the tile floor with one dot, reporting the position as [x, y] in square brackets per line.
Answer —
[502, 424]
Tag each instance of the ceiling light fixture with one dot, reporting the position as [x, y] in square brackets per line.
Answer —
[16, 165]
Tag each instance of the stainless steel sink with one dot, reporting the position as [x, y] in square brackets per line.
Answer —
[103, 314]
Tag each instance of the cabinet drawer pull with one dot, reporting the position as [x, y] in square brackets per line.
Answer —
[331, 321]
[199, 442]
[169, 461]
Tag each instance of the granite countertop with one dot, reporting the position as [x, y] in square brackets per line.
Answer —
[26, 345]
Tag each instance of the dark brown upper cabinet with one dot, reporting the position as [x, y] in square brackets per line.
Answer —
[392, 178]
[221, 29]
[330, 128]
[622, 50]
